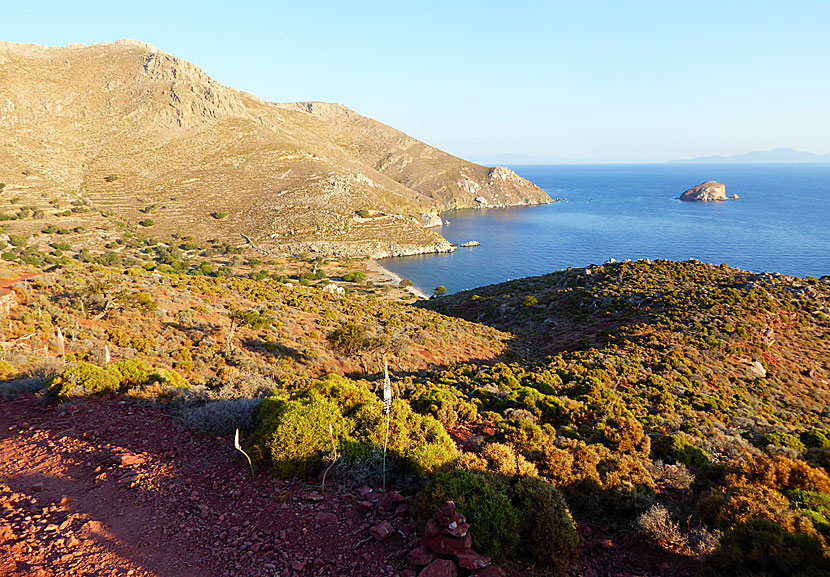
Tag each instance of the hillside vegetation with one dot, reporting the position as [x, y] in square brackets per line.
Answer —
[683, 402]
[148, 138]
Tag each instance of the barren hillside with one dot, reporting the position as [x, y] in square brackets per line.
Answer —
[153, 139]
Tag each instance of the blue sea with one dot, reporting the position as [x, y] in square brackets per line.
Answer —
[780, 224]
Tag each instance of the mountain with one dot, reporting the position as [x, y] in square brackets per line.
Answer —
[764, 156]
[133, 131]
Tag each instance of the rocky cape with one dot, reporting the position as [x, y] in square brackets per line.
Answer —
[709, 191]
[133, 131]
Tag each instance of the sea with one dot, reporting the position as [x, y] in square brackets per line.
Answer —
[781, 223]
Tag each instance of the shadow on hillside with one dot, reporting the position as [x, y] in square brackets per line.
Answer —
[274, 348]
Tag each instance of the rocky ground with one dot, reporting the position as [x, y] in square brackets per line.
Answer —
[105, 487]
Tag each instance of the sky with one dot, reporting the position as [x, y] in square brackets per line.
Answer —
[503, 82]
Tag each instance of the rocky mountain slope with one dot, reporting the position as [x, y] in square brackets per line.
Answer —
[152, 139]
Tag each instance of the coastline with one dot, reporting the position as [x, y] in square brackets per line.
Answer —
[375, 267]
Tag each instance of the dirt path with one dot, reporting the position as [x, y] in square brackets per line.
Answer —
[101, 487]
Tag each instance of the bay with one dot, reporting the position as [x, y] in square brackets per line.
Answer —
[780, 224]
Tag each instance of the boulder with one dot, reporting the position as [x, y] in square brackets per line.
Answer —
[439, 568]
[446, 545]
[471, 560]
[705, 192]
[420, 556]
[431, 220]
[382, 530]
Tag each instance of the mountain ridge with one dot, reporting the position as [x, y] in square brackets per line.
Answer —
[775, 155]
[133, 129]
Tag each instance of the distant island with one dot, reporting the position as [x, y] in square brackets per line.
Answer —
[777, 155]
[708, 191]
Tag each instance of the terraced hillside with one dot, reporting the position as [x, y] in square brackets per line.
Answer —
[151, 138]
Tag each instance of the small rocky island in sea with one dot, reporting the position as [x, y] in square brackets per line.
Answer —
[470, 243]
[707, 192]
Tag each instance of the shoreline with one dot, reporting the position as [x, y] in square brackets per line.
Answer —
[375, 267]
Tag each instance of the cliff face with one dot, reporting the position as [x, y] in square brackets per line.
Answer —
[132, 129]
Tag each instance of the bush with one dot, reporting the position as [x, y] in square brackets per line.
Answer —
[816, 506]
[762, 548]
[440, 290]
[548, 534]
[677, 449]
[816, 438]
[17, 240]
[355, 277]
[482, 499]
[420, 442]
[84, 379]
[294, 435]
[500, 459]
[147, 222]
[219, 214]
[349, 338]
[7, 371]
[783, 440]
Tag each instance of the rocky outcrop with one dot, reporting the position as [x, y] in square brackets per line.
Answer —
[8, 300]
[369, 249]
[708, 191]
[431, 220]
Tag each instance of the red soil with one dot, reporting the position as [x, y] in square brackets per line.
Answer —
[71, 503]
[191, 508]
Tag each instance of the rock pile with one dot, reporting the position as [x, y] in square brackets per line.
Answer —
[446, 550]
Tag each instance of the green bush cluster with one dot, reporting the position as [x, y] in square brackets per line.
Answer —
[677, 449]
[760, 547]
[294, 434]
[83, 378]
[527, 515]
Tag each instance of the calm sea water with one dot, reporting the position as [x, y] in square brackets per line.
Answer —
[780, 224]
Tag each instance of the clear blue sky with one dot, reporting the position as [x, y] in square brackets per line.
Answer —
[574, 81]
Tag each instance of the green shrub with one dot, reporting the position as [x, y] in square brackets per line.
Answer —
[168, 377]
[419, 442]
[815, 505]
[762, 548]
[483, 499]
[355, 277]
[7, 371]
[530, 301]
[816, 438]
[17, 240]
[363, 213]
[349, 338]
[251, 318]
[783, 440]
[294, 435]
[219, 214]
[131, 373]
[548, 534]
[84, 379]
[147, 222]
[440, 290]
[677, 449]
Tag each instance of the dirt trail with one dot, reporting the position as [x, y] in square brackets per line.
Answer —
[102, 487]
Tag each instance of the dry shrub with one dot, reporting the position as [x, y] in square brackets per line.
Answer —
[779, 473]
[671, 476]
[574, 464]
[626, 435]
[734, 505]
[657, 525]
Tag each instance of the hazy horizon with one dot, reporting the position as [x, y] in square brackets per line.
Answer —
[533, 83]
